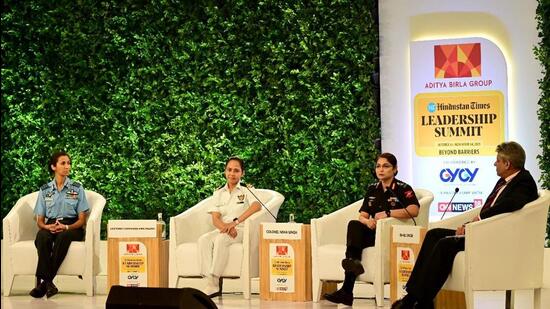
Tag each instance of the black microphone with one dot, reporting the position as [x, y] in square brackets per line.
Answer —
[261, 203]
[399, 202]
[447, 208]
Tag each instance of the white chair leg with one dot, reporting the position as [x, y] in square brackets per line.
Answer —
[246, 288]
[379, 293]
[488, 299]
[173, 280]
[542, 298]
[523, 299]
[316, 290]
[89, 283]
[8, 284]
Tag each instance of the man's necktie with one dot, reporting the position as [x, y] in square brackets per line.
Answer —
[500, 183]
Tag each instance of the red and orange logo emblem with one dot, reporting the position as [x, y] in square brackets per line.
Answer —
[457, 60]
[132, 248]
[282, 250]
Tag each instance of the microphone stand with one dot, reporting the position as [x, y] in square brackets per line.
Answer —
[261, 203]
[447, 208]
[399, 202]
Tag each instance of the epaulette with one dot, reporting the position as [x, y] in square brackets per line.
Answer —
[44, 187]
[373, 184]
[401, 183]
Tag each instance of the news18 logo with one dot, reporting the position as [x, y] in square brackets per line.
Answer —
[457, 60]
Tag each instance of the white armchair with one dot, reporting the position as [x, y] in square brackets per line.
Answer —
[328, 246]
[187, 227]
[504, 252]
[20, 255]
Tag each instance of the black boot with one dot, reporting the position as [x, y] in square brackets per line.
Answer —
[353, 265]
[40, 290]
[340, 297]
[51, 289]
[407, 302]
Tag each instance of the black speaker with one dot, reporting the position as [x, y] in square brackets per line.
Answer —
[121, 297]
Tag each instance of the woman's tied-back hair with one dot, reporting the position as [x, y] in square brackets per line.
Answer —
[55, 157]
[241, 162]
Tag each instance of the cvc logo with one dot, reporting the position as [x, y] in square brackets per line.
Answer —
[463, 174]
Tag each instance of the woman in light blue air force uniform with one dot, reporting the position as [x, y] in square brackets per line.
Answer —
[233, 204]
[61, 210]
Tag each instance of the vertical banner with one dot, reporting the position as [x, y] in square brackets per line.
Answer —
[281, 261]
[405, 264]
[133, 264]
[459, 93]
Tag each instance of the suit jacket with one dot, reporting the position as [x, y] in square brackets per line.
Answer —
[521, 190]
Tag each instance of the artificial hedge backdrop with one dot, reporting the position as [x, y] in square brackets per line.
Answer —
[543, 54]
[151, 97]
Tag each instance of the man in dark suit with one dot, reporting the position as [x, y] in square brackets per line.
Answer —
[515, 188]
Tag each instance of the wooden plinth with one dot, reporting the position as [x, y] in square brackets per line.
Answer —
[157, 260]
[415, 247]
[302, 267]
[450, 300]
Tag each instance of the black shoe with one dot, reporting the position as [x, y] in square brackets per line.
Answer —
[51, 289]
[425, 305]
[407, 302]
[39, 291]
[353, 266]
[340, 297]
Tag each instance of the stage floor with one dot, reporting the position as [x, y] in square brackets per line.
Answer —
[227, 301]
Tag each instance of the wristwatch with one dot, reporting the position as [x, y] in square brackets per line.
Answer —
[388, 212]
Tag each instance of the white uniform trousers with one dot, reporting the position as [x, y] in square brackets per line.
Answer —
[214, 251]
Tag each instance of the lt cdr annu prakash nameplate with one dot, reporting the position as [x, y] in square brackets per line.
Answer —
[137, 254]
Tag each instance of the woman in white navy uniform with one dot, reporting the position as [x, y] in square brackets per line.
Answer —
[232, 205]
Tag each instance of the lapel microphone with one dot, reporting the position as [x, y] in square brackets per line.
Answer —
[261, 203]
[447, 208]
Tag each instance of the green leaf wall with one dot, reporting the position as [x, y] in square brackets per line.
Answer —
[542, 52]
[151, 97]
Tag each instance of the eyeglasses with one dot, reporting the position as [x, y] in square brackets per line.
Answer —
[383, 166]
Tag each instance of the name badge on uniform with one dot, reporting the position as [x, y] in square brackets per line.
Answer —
[241, 199]
[72, 194]
[371, 199]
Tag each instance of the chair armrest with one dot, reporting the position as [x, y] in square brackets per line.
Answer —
[456, 221]
[383, 241]
[20, 223]
[251, 238]
[509, 248]
[332, 228]
[191, 224]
